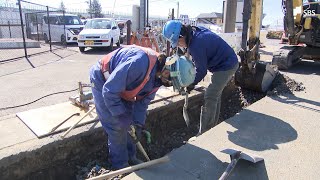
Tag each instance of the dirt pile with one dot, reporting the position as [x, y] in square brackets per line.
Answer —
[274, 34]
[282, 84]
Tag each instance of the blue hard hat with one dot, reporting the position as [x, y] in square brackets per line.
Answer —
[171, 31]
[182, 72]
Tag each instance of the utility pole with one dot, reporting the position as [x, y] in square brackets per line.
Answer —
[178, 10]
[147, 12]
[90, 7]
[142, 15]
[229, 22]
[114, 4]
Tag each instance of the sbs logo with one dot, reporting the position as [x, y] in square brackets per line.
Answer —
[308, 12]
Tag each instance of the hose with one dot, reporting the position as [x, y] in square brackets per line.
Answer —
[11, 107]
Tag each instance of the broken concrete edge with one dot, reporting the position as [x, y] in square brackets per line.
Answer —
[23, 159]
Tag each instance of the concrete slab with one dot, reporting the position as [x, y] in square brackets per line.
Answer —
[18, 43]
[269, 128]
[13, 131]
[41, 121]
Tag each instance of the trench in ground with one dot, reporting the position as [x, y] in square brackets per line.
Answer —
[167, 128]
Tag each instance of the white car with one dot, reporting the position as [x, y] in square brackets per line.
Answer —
[99, 32]
[63, 28]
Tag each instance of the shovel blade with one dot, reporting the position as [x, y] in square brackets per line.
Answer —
[246, 156]
[186, 116]
[185, 110]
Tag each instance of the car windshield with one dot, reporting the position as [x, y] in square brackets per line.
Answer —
[72, 20]
[98, 24]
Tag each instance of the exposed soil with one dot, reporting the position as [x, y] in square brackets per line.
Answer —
[233, 102]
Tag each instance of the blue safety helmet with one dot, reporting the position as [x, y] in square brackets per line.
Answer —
[182, 71]
[171, 32]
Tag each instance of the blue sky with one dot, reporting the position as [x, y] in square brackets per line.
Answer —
[161, 7]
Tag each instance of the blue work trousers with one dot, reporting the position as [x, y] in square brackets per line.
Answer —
[120, 144]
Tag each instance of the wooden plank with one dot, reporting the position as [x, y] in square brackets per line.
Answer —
[41, 121]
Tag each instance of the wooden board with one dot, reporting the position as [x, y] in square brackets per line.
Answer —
[41, 121]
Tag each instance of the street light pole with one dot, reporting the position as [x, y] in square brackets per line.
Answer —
[178, 10]
[90, 7]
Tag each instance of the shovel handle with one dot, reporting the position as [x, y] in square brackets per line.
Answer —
[131, 168]
[229, 169]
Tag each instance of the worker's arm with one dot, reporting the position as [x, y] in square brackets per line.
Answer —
[199, 56]
[115, 84]
[140, 109]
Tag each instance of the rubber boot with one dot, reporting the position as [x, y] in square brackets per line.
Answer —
[203, 120]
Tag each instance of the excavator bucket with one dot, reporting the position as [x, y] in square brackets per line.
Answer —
[259, 79]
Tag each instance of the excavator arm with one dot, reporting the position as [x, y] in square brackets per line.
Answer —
[252, 73]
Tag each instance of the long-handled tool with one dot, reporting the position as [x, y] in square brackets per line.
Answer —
[57, 126]
[131, 168]
[75, 124]
[132, 133]
[235, 156]
[185, 109]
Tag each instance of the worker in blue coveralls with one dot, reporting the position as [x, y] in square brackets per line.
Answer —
[123, 84]
[209, 52]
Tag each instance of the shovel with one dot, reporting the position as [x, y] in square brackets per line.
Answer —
[185, 110]
[235, 156]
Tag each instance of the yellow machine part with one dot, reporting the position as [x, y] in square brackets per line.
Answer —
[297, 11]
[255, 21]
[307, 23]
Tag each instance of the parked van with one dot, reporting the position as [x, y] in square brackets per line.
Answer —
[73, 26]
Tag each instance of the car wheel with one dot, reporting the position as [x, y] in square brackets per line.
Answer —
[111, 45]
[118, 43]
[46, 40]
[63, 40]
[81, 49]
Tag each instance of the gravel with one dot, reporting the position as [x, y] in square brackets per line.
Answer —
[238, 99]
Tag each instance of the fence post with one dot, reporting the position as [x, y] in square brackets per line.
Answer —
[37, 26]
[128, 31]
[24, 39]
[22, 29]
[9, 29]
[49, 28]
[64, 29]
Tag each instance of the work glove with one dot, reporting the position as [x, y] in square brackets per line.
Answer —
[190, 88]
[125, 120]
[138, 129]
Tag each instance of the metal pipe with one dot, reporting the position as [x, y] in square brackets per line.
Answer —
[33, 3]
[37, 27]
[75, 124]
[23, 37]
[128, 31]
[147, 12]
[49, 28]
[64, 29]
[9, 28]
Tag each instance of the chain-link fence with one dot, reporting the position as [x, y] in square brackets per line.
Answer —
[28, 28]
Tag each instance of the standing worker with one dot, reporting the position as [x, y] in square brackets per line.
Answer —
[123, 84]
[209, 52]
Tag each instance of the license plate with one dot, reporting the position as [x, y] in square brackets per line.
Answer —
[89, 43]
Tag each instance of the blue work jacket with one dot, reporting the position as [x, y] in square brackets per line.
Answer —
[210, 52]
